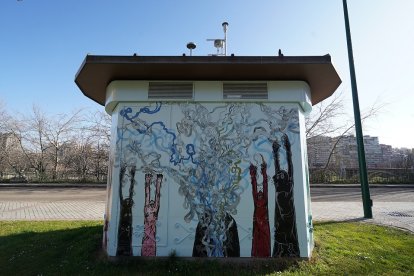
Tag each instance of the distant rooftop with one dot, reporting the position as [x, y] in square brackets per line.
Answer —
[96, 72]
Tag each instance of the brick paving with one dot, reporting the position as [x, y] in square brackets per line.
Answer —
[60, 210]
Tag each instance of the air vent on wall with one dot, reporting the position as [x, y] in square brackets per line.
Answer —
[245, 91]
[170, 90]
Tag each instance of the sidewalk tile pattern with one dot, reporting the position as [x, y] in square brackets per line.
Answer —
[61, 210]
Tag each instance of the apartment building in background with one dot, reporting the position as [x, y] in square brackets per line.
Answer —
[342, 153]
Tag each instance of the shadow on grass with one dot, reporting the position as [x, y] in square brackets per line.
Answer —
[39, 250]
[74, 248]
[333, 222]
[36, 249]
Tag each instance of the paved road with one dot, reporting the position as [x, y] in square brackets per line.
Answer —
[318, 194]
[388, 194]
[36, 194]
[392, 206]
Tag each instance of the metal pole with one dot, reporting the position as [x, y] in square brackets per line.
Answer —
[366, 198]
[225, 24]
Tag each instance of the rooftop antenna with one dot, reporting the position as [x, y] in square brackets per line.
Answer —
[191, 46]
[225, 24]
[221, 44]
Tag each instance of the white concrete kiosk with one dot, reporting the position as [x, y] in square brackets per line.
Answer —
[208, 154]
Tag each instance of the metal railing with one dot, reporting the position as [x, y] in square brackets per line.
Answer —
[351, 175]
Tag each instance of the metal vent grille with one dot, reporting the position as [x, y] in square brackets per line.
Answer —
[400, 214]
[245, 91]
[170, 90]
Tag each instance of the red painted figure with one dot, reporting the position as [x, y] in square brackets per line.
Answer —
[151, 208]
[261, 229]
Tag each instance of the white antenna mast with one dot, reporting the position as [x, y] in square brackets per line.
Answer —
[225, 24]
[220, 44]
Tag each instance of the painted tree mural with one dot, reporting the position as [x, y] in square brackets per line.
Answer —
[206, 150]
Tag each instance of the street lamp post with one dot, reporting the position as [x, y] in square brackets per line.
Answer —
[366, 198]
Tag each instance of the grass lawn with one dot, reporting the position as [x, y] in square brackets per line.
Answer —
[73, 247]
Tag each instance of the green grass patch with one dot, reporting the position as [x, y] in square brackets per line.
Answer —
[73, 247]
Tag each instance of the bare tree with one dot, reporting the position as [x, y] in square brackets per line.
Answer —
[53, 147]
[323, 120]
[40, 138]
[58, 131]
[3, 115]
[78, 159]
[100, 126]
[88, 156]
[28, 130]
[330, 119]
[8, 154]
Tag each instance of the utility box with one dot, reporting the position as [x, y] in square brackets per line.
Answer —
[208, 154]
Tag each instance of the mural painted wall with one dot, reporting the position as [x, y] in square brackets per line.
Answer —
[206, 180]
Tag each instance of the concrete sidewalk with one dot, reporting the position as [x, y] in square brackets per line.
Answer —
[59, 210]
[396, 214]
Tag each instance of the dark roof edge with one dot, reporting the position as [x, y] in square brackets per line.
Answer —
[207, 59]
[97, 71]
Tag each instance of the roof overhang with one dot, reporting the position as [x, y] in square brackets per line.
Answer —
[96, 72]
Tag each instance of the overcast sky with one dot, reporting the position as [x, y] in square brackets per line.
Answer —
[43, 43]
